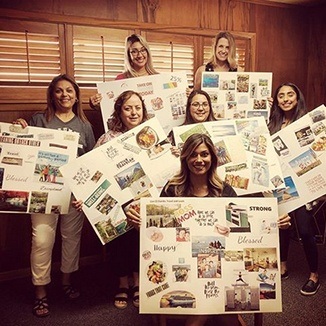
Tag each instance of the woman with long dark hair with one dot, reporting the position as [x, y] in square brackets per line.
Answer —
[63, 112]
[288, 106]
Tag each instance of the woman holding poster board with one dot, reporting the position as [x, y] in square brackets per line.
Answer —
[288, 106]
[63, 112]
[197, 178]
[223, 58]
[198, 109]
[137, 61]
[129, 112]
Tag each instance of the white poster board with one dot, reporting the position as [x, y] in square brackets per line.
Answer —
[209, 256]
[237, 95]
[164, 96]
[30, 160]
[301, 148]
[111, 178]
[245, 152]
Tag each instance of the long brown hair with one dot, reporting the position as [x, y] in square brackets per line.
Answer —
[181, 181]
[51, 109]
[189, 120]
[277, 114]
[115, 123]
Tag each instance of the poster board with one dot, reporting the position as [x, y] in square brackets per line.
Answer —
[301, 149]
[112, 177]
[246, 155]
[164, 95]
[209, 256]
[237, 95]
[30, 161]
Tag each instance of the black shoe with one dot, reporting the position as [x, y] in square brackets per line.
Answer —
[310, 287]
[285, 275]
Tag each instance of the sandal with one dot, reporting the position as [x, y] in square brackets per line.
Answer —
[70, 292]
[41, 307]
[121, 298]
[135, 296]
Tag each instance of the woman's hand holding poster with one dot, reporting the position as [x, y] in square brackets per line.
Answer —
[209, 256]
[164, 96]
[246, 157]
[301, 148]
[30, 177]
[111, 178]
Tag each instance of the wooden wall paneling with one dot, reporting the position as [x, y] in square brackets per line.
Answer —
[10, 116]
[106, 9]
[198, 52]
[223, 14]
[316, 80]
[6, 23]
[147, 10]
[95, 32]
[209, 14]
[68, 49]
[239, 15]
[179, 13]
[22, 96]
[281, 44]
[63, 49]
[251, 64]
[162, 36]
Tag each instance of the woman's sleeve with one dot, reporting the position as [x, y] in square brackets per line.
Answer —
[90, 138]
[36, 121]
[228, 191]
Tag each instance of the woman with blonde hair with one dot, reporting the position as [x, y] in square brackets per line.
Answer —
[137, 58]
[137, 61]
[223, 57]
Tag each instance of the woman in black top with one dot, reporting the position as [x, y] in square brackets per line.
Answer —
[288, 106]
[223, 57]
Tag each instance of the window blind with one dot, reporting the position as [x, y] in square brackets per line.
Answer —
[97, 59]
[170, 56]
[28, 57]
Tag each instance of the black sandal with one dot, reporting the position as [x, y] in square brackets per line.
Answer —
[135, 296]
[70, 292]
[41, 307]
[121, 298]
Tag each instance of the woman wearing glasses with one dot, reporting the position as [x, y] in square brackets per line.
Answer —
[138, 58]
[198, 109]
[137, 61]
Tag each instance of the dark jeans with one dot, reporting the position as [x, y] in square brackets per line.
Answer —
[304, 221]
[125, 253]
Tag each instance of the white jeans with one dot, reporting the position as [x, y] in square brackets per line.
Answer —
[43, 236]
